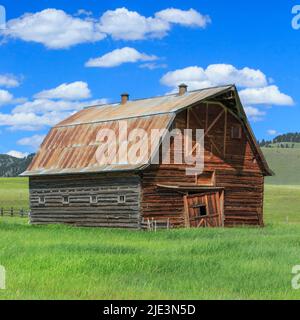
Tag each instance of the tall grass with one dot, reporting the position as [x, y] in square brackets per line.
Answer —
[61, 262]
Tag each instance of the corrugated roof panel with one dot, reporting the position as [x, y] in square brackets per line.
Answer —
[74, 147]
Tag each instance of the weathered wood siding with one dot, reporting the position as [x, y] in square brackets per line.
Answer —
[235, 165]
[107, 212]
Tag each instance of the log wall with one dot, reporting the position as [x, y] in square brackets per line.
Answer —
[106, 212]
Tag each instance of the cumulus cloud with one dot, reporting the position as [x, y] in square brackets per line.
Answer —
[118, 57]
[272, 132]
[255, 88]
[254, 114]
[34, 141]
[69, 91]
[269, 95]
[17, 154]
[5, 97]
[189, 18]
[122, 24]
[216, 74]
[40, 113]
[153, 65]
[53, 28]
[29, 121]
[8, 81]
[56, 29]
[42, 106]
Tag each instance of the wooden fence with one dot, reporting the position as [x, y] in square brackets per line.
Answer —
[13, 212]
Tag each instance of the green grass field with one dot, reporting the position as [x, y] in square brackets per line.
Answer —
[61, 262]
[286, 165]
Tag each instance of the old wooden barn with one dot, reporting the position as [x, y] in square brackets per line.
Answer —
[68, 185]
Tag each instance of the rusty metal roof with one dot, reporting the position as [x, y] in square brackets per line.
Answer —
[73, 149]
[71, 146]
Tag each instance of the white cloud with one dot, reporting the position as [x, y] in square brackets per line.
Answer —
[272, 132]
[186, 18]
[53, 28]
[70, 91]
[122, 24]
[153, 65]
[254, 84]
[17, 154]
[42, 106]
[5, 97]
[194, 77]
[8, 81]
[34, 141]
[216, 74]
[225, 73]
[254, 114]
[269, 95]
[56, 29]
[31, 121]
[38, 114]
[118, 57]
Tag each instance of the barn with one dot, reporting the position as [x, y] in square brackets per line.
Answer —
[68, 183]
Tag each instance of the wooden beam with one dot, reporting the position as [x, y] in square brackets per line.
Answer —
[225, 133]
[214, 122]
[196, 117]
[186, 212]
[206, 117]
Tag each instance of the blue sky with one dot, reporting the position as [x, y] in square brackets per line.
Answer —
[64, 55]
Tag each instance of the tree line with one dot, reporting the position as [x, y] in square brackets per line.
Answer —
[287, 140]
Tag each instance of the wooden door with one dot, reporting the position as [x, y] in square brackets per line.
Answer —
[204, 210]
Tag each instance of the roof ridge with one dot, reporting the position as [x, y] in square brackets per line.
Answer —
[161, 96]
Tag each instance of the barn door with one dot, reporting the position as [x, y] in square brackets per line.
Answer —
[204, 210]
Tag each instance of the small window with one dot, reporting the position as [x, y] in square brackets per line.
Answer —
[236, 132]
[65, 200]
[202, 211]
[42, 200]
[93, 199]
[121, 199]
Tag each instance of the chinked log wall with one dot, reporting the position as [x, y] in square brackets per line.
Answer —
[107, 212]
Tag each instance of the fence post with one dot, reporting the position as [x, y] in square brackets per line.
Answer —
[11, 211]
[2, 212]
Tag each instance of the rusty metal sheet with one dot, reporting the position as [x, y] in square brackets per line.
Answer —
[72, 149]
[142, 107]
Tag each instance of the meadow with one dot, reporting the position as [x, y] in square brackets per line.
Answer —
[61, 262]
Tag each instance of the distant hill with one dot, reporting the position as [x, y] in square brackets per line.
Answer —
[11, 166]
[283, 156]
[285, 162]
[287, 140]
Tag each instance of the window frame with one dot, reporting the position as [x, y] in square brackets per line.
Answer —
[233, 132]
[121, 201]
[68, 199]
[91, 199]
[40, 200]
